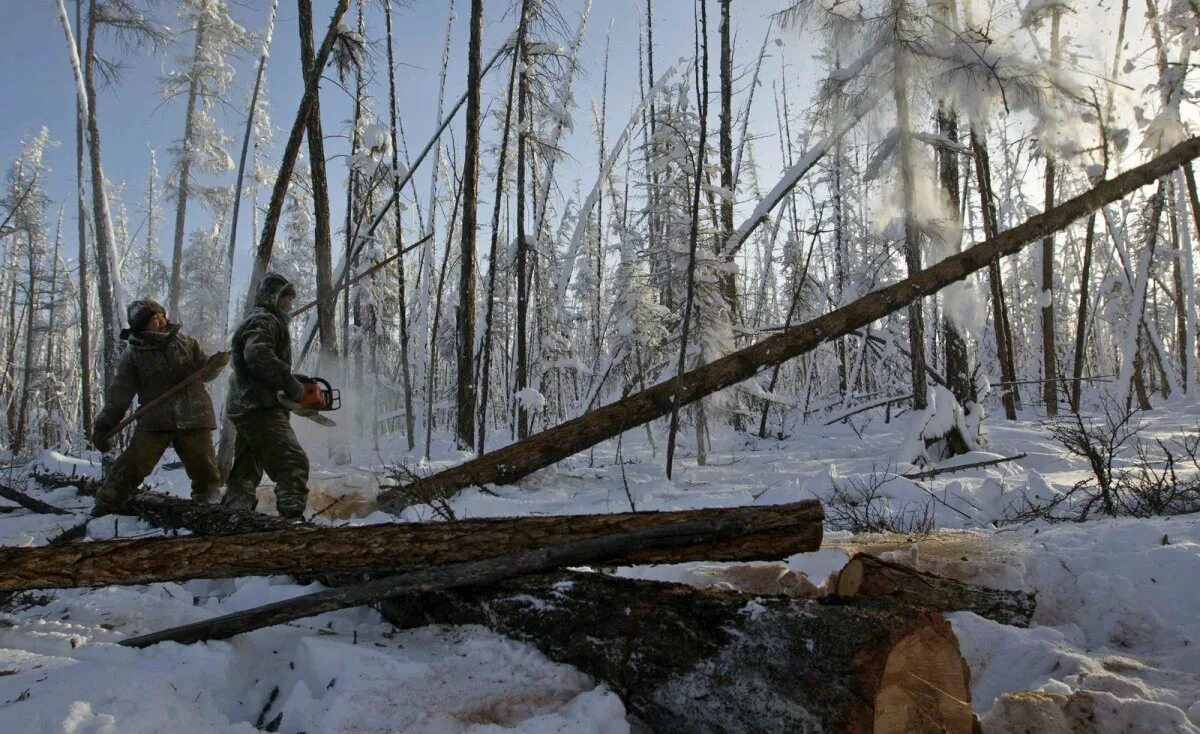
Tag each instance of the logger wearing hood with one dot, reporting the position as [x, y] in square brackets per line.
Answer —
[156, 357]
[262, 368]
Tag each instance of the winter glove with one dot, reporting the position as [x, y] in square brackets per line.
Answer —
[219, 361]
[100, 438]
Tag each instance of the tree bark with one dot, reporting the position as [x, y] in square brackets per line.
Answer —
[571, 553]
[326, 305]
[868, 576]
[485, 357]
[402, 290]
[520, 459]
[958, 360]
[100, 215]
[522, 326]
[465, 331]
[185, 168]
[771, 532]
[85, 328]
[1002, 330]
[30, 503]
[1049, 350]
[728, 184]
[690, 660]
[266, 242]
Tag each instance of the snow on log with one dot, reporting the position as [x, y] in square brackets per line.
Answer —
[519, 459]
[455, 575]
[691, 660]
[768, 532]
[866, 576]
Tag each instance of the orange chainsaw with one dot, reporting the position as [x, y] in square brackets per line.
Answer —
[319, 396]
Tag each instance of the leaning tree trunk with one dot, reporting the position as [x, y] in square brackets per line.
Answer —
[185, 173]
[266, 241]
[522, 458]
[688, 660]
[771, 532]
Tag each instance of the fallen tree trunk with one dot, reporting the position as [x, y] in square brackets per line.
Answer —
[691, 660]
[770, 532]
[870, 577]
[508, 464]
[456, 575]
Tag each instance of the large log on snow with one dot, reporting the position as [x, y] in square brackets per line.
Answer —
[689, 660]
[867, 576]
[508, 464]
[766, 532]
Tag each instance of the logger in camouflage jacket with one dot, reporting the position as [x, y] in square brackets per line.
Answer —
[156, 358]
[262, 371]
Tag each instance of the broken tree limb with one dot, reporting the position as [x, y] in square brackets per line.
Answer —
[962, 467]
[517, 460]
[30, 503]
[867, 576]
[692, 660]
[572, 553]
[772, 532]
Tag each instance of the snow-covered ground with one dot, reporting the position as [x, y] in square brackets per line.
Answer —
[1117, 623]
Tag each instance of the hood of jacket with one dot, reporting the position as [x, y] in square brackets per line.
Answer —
[142, 339]
[270, 288]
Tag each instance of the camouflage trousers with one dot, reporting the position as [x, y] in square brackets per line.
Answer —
[266, 443]
[195, 449]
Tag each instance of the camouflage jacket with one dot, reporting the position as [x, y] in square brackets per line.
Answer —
[150, 364]
[262, 354]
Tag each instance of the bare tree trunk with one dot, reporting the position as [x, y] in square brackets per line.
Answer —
[517, 460]
[1001, 325]
[402, 291]
[728, 184]
[109, 302]
[493, 252]
[85, 328]
[1049, 350]
[959, 375]
[266, 243]
[237, 194]
[465, 328]
[185, 168]
[522, 376]
[693, 242]
[912, 243]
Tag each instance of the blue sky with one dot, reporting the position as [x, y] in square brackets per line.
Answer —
[38, 88]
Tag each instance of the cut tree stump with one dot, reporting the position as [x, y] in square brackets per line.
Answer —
[870, 577]
[771, 532]
[689, 660]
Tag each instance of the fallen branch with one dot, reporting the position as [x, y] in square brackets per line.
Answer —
[867, 576]
[574, 553]
[962, 467]
[773, 531]
[868, 406]
[517, 460]
[30, 503]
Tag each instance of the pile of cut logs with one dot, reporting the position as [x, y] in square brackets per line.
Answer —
[869, 652]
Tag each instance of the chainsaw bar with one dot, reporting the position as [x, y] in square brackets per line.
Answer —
[308, 413]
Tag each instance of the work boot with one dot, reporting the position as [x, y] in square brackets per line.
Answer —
[108, 503]
[207, 496]
[239, 499]
[290, 506]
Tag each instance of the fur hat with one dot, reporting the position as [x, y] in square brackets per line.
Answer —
[141, 311]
